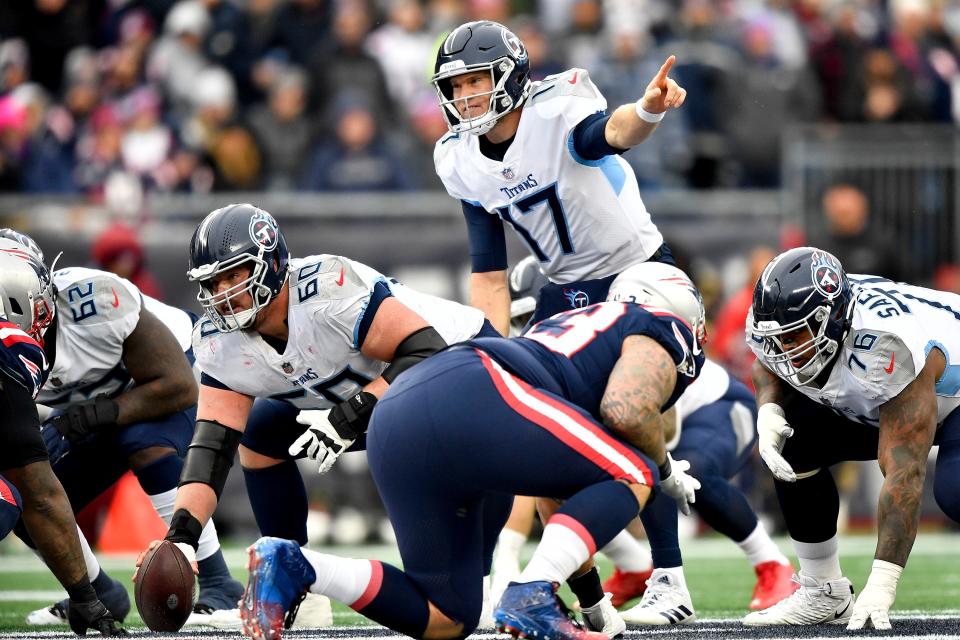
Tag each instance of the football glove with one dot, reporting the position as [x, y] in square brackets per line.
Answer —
[773, 431]
[679, 485]
[92, 615]
[872, 608]
[85, 418]
[330, 433]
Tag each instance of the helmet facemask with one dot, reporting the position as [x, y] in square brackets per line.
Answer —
[212, 301]
[499, 101]
[820, 347]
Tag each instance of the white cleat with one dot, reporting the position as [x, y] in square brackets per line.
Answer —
[227, 619]
[314, 613]
[664, 602]
[604, 617]
[815, 602]
[47, 616]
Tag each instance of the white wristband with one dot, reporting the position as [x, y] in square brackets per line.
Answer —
[646, 116]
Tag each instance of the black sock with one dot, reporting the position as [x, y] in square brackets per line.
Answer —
[82, 591]
[587, 588]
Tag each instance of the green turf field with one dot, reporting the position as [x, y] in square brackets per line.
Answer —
[719, 578]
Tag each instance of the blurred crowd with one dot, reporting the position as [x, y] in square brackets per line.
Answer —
[334, 95]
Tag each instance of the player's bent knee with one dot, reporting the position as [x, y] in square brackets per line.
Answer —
[640, 491]
[143, 457]
[442, 627]
[250, 459]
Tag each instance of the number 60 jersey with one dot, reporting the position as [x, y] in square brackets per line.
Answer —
[581, 218]
[332, 303]
[893, 327]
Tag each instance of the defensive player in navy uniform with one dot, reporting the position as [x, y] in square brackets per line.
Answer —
[852, 368]
[30, 494]
[712, 428]
[293, 354]
[543, 158]
[457, 436]
[123, 395]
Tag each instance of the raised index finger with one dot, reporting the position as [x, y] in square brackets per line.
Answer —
[665, 70]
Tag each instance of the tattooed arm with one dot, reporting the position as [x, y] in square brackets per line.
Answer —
[640, 383]
[908, 423]
[769, 387]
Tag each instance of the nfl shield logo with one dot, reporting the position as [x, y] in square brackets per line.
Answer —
[508, 173]
[287, 368]
[264, 230]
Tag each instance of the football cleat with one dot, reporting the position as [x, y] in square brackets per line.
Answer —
[664, 602]
[115, 598]
[624, 586]
[815, 602]
[279, 579]
[315, 612]
[204, 615]
[532, 610]
[774, 583]
[604, 617]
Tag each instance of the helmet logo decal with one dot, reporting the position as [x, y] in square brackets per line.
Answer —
[264, 231]
[514, 44]
[825, 271]
[577, 299]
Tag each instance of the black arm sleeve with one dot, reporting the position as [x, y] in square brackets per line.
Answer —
[210, 455]
[488, 247]
[590, 138]
[417, 346]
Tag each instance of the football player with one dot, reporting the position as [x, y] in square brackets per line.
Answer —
[712, 428]
[581, 392]
[852, 367]
[294, 354]
[543, 158]
[123, 395]
[30, 494]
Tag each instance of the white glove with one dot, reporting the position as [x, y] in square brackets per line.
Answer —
[773, 431]
[872, 607]
[680, 485]
[320, 441]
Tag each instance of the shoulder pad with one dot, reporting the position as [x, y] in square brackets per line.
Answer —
[202, 331]
[96, 297]
[572, 82]
[327, 278]
[881, 359]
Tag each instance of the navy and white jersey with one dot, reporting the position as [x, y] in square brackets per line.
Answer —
[893, 327]
[573, 353]
[582, 219]
[96, 312]
[332, 303]
[22, 358]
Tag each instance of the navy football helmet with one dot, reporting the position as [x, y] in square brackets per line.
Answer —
[482, 46]
[233, 236]
[526, 280]
[804, 288]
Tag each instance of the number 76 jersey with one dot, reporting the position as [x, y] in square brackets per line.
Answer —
[581, 218]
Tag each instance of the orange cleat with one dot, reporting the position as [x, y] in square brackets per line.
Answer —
[774, 583]
[624, 586]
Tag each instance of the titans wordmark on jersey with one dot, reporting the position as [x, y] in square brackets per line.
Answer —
[581, 218]
[332, 303]
[96, 312]
[893, 327]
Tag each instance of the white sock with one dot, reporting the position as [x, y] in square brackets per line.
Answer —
[820, 560]
[343, 579]
[676, 573]
[93, 567]
[627, 554]
[760, 548]
[506, 556]
[560, 552]
[209, 542]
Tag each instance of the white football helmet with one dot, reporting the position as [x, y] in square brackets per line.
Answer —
[27, 293]
[659, 285]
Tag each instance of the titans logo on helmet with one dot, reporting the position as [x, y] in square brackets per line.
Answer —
[264, 230]
[826, 274]
[514, 44]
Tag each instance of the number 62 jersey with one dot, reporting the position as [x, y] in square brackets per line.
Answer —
[893, 327]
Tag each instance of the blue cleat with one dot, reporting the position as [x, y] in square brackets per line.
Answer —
[279, 579]
[532, 610]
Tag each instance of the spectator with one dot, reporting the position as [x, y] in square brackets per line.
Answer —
[148, 142]
[861, 246]
[176, 60]
[301, 27]
[358, 158]
[118, 250]
[229, 44]
[14, 64]
[283, 130]
[98, 150]
[404, 50]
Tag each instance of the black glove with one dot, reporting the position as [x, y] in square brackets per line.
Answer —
[85, 418]
[92, 615]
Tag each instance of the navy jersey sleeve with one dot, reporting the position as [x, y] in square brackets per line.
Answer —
[210, 381]
[22, 358]
[488, 247]
[590, 138]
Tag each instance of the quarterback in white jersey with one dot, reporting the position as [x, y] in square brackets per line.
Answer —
[293, 356]
[544, 158]
[852, 368]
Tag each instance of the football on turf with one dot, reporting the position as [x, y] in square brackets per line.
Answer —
[163, 588]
